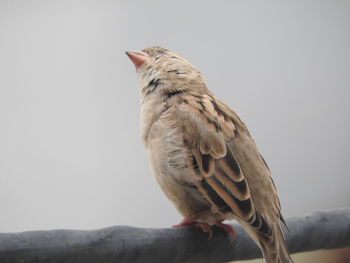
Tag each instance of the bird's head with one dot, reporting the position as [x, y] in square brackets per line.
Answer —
[162, 71]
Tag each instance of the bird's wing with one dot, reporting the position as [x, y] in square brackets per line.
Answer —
[209, 127]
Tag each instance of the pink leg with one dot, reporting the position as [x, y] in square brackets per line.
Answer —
[228, 229]
[205, 228]
[187, 221]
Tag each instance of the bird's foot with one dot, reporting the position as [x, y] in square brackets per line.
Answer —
[189, 220]
[192, 221]
[206, 228]
[228, 229]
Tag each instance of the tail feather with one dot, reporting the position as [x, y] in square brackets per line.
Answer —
[267, 233]
[275, 249]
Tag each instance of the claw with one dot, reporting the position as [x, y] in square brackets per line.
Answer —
[205, 228]
[228, 229]
[188, 221]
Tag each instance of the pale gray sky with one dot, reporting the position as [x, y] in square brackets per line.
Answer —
[70, 151]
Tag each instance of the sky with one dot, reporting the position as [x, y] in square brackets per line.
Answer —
[71, 155]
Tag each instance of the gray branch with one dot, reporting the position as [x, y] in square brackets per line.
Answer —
[318, 230]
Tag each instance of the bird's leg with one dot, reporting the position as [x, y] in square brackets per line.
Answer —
[189, 220]
[192, 221]
[228, 229]
[206, 228]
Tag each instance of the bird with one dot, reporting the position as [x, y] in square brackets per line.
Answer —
[203, 156]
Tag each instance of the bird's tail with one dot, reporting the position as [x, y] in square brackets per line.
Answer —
[269, 237]
[274, 249]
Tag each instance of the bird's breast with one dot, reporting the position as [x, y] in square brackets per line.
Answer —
[169, 159]
[151, 110]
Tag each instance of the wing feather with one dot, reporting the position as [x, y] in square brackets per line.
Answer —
[209, 127]
[222, 178]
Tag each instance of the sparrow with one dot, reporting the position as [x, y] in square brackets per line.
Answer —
[203, 156]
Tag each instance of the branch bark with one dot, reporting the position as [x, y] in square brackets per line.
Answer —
[317, 230]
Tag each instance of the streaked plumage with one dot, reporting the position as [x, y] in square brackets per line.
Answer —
[202, 154]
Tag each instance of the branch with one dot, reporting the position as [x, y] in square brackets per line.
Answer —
[318, 230]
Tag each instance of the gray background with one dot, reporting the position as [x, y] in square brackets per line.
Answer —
[70, 150]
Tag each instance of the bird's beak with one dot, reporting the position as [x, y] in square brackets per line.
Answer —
[137, 57]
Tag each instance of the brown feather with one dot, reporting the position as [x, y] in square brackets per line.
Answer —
[203, 155]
